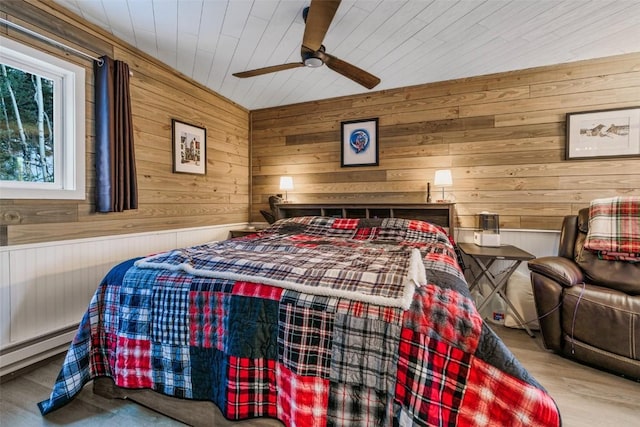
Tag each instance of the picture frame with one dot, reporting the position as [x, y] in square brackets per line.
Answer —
[603, 134]
[359, 143]
[189, 148]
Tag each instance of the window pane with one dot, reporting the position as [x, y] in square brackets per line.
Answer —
[26, 128]
[42, 125]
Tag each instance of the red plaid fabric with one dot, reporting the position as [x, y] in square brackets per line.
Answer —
[103, 358]
[370, 233]
[257, 290]
[441, 258]
[448, 256]
[103, 317]
[251, 389]
[425, 227]
[104, 312]
[494, 398]
[371, 311]
[435, 396]
[133, 363]
[446, 315]
[614, 228]
[302, 401]
[345, 223]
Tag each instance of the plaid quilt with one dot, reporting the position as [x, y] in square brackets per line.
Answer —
[381, 273]
[614, 228]
[307, 359]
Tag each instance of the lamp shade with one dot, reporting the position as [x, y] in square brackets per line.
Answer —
[443, 178]
[286, 183]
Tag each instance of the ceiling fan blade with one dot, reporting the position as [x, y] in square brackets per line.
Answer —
[352, 72]
[267, 70]
[319, 17]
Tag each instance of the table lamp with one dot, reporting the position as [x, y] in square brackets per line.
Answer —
[286, 184]
[443, 179]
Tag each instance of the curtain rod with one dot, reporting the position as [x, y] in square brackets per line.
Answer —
[51, 41]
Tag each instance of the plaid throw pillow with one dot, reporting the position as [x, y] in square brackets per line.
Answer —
[614, 228]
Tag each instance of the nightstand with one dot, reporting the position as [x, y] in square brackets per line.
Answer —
[481, 254]
[241, 232]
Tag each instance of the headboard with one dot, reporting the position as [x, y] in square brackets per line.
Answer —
[441, 214]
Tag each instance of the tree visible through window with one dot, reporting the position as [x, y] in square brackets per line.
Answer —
[42, 124]
[26, 132]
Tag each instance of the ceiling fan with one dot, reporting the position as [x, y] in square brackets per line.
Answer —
[317, 18]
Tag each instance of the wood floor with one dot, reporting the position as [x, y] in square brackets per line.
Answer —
[585, 396]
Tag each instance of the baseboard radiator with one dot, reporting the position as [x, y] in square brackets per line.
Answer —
[46, 288]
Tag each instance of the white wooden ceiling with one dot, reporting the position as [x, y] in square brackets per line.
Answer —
[402, 42]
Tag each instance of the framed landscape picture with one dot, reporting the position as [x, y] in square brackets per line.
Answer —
[189, 148]
[359, 143]
[605, 133]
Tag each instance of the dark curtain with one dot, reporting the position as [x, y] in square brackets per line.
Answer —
[116, 184]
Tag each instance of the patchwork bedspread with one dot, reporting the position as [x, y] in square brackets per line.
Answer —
[309, 355]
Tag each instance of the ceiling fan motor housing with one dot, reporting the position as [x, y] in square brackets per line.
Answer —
[311, 60]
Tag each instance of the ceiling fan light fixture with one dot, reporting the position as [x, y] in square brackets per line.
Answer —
[317, 18]
[313, 62]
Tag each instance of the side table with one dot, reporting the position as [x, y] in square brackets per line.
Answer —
[243, 232]
[484, 257]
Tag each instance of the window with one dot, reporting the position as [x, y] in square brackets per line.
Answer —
[42, 125]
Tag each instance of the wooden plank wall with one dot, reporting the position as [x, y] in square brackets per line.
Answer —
[503, 136]
[166, 200]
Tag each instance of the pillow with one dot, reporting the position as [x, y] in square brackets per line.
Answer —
[372, 229]
[614, 228]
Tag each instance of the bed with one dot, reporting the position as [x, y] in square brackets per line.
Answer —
[315, 321]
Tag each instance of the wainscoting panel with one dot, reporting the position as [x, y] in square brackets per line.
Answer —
[5, 298]
[47, 287]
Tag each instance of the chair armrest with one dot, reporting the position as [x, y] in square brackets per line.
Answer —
[564, 271]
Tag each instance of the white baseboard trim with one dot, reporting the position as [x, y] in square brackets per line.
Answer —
[30, 354]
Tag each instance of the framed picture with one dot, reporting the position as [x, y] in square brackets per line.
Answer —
[605, 133]
[359, 143]
[189, 148]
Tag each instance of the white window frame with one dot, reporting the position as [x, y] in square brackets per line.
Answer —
[69, 124]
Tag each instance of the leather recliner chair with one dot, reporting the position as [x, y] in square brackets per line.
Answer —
[589, 308]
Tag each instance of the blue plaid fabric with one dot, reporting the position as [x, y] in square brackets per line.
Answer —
[105, 311]
[135, 303]
[252, 328]
[171, 369]
[75, 371]
[205, 284]
[170, 310]
[209, 314]
[209, 378]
